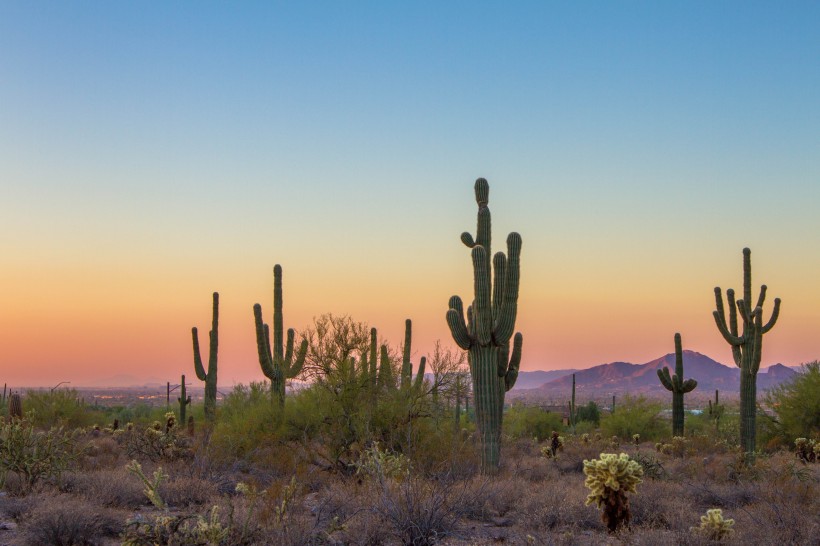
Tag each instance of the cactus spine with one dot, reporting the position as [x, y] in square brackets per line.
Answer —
[678, 386]
[489, 326]
[277, 360]
[746, 344]
[183, 400]
[15, 406]
[210, 377]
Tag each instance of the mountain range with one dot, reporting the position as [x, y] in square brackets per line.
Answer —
[621, 378]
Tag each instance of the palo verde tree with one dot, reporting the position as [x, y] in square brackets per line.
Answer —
[210, 377]
[746, 339]
[678, 386]
[488, 327]
[277, 361]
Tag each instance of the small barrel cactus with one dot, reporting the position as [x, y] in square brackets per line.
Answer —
[713, 526]
[609, 479]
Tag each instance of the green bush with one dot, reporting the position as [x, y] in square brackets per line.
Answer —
[249, 419]
[59, 408]
[34, 455]
[590, 413]
[796, 406]
[522, 421]
[635, 415]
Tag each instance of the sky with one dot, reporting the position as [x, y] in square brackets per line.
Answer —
[152, 153]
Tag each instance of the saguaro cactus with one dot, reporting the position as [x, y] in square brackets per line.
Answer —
[678, 386]
[277, 360]
[489, 326]
[747, 344]
[407, 366]
[183, 400]
[716, 409]
[15, 406]
[210, 377]
[573, 413]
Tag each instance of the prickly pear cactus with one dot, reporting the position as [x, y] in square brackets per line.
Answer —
[609, 479]
[713, 526]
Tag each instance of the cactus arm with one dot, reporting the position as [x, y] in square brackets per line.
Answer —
[289, 348]
[296, 367]
[721, 325]
[200, 370]
[467, 239]
[509, 308]
[263, 343]
[762, 297]
[482, 313]
[499, 269]
[747, 317]
[515, 362]
[773, 319]
[458, 328]
[758, 340]
[689, 385]
[420, 376]
[666, 380]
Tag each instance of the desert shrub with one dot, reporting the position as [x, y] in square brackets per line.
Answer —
[107, 487]
[68, 521]
[522, 421]
[796, 406]
[590, 413]
[34, 455]
[159, 441]
[59, 408]
[420, 512]
[635, 415]
[248, 420]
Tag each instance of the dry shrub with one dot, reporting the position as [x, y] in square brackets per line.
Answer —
[184, 491]
[419, 511]
[114, 488]
[68, 521]
[557, 506]
[102, 452]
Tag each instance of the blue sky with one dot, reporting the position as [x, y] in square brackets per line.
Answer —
[632, 144]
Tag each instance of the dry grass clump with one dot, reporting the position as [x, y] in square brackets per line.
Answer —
[68, 521]
[113, 488]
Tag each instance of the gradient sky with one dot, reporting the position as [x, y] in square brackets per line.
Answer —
[154, 152]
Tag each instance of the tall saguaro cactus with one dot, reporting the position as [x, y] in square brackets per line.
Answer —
[678, 386]
[406, 365]
[210, 377]
[183, 399]
[277, 360]
[573, 412]
[746, 339]
[489, 326]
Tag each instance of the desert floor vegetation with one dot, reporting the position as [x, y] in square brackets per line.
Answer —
[264, 475]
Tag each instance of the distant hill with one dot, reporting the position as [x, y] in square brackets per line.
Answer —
[531, 380]
[625, 378]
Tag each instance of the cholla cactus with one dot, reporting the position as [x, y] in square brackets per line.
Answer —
[806, 450]
[636, 439]
[659, 447]
[381, 464]
[614, 442]
[151, 486]
[713, 526]
[609, 479]
[677, 447]
[585, 438]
